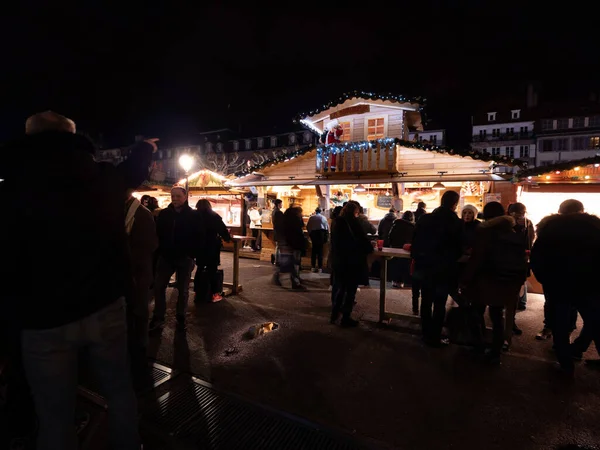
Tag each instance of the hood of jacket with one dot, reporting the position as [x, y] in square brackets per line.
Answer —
[502, 223]
[390, 216]
[568, 223]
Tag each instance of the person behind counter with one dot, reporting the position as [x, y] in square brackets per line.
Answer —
[421, 211]
[318, 230]
[255, 215]
[385, 225]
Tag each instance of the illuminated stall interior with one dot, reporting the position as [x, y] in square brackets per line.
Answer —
[543, 189]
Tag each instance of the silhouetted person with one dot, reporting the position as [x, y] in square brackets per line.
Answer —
[77, 302]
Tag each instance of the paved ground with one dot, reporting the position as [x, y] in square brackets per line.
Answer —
[381, 383]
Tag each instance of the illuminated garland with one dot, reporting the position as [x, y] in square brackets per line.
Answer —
[361, 94]
[366, 145]
[281, 157]
[567, 165]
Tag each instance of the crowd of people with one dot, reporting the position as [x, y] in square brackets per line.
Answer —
[109, 253]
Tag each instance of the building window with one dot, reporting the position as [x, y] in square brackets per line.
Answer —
[236, 146]
[561, 145]
[248, 144]
[260, 142]
[169, 154]
[524, 130]
[579, 122]
[524, 151]
[482, 134]
[496, 132]
[594, 142]
[273, 141]
[209, 146]
[433, 139]
[547, 145]
[516, 113]
[347, 135]
[307, 137]
[547, 163]
[375, 129]
[160, 154]
[579, 143]
[562, 124]
[292, 139]
[594, 121]
[510, 130]
[491, 116]
[510, 152]
[495, 151]
[219, 147]
[548, 124]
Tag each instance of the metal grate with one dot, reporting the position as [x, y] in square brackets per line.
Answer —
[196, 413]
[160, 374]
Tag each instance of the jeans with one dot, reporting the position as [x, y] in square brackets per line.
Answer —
[317, 238]
[523, 298]
[590, 314]
[165, 268]
[400, 268]
[288, 264]
[551, 296]
[137, 308]
[343, 295]
[479, 328]
[416, 292]
[433, 310]
[211, 272]
[50, 358]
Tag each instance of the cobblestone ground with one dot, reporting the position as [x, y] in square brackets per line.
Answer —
[381, 383]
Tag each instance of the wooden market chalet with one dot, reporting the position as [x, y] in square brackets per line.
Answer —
[364, 145]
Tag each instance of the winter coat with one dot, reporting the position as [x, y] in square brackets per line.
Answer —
[212, 231]
[277, 222]
[420, 212]
[527, 232]
[143, 243]
[178, 232]
[350, 247]
[75, 223]
[566, 254]
[469, 233]
[401, 233]
[293, 232]
[497, 268]
[385, 225]
[367, 226]
[436, 246]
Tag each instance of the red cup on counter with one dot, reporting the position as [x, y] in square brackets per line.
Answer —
[380, 244]
[407, 247]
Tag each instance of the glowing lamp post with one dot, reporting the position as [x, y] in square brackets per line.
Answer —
[186, 162]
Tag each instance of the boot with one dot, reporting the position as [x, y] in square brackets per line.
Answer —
[349, 322]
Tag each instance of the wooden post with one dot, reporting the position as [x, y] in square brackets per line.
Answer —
[369, 154]
[236, 266]
[378, 156]
[382, 287]
[361, 160]
[395, 160]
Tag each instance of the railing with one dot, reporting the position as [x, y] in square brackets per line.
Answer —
[502, 137]
[360, 158]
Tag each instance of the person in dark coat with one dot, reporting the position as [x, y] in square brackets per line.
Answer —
[141, 231]
[208, 255]
[291, 245]
[494, 275]
[350, 268]
[77, 223]
[385, 225]
[470, 225]
[421, 211]
[436, 248]
[523, 227]
[177, 230]
[565, 261]
[401, 234]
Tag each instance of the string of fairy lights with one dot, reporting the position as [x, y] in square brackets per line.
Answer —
[324, 150]
[365, 95]
[560, 167]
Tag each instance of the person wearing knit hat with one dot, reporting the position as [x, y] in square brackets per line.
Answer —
[67, 213]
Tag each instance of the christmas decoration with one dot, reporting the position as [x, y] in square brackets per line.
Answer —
[333, 137]
[365, 145]
[361, 94]
[567, 165]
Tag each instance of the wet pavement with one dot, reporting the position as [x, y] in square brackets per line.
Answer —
[379, 383]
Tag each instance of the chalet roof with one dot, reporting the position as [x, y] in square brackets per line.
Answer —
[469, 153]
[419, 101]
[567, 165]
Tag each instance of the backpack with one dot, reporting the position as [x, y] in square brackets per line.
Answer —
[506, 258]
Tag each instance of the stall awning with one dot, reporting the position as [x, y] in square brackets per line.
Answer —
[367, 180]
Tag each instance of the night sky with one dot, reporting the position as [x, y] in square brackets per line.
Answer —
[166, 71]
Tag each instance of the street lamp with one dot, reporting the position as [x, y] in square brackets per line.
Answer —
[186, 162]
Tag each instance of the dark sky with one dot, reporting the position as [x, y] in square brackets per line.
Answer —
[167, 70]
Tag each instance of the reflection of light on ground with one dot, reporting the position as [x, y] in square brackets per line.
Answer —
[541, 204]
